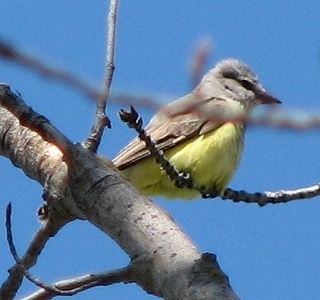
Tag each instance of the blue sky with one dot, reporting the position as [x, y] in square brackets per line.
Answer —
[268, 253]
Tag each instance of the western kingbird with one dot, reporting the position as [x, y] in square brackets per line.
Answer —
[201, 134]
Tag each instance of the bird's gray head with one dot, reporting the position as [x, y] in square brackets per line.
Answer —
[241, 83]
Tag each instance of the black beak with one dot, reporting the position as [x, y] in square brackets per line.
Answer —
[265, 98]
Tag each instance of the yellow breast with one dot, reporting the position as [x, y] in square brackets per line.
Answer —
[211, 159]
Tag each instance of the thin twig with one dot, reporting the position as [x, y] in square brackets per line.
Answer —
[292, 120]
[9, 234]
[265, 198]
[75, 285]
[139, 100]
[199, 60]
[17, 272]
[112, 18]
[20, 262]
[297, 120]
[11, 53]
[10, 287]
[101, 120]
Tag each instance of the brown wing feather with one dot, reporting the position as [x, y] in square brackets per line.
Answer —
[168, 129]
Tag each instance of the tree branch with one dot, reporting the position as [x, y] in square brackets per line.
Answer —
[10, 287]
[76, 285]
[9, 52]
[101, 121]
[81, 184]
[265, 198]
[293, 120]
[199, 60]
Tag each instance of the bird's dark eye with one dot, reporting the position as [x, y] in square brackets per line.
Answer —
[247, 84]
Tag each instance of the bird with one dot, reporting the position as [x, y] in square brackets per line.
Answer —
[201, 134]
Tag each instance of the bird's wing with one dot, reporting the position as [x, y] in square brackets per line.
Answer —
[172, 125]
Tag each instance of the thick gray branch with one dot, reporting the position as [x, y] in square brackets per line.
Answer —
[81, 184]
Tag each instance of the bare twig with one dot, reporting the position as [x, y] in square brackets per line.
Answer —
[73, 286]
[9, 234]
[297, 120]
[17, 272]
[146, 101]
[20, 263]
[293, 120]
[102, 120]
[112, 18]
[11, 53]
[199, 60]
[265, 198]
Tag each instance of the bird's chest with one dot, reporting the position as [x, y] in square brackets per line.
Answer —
[218, 150]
